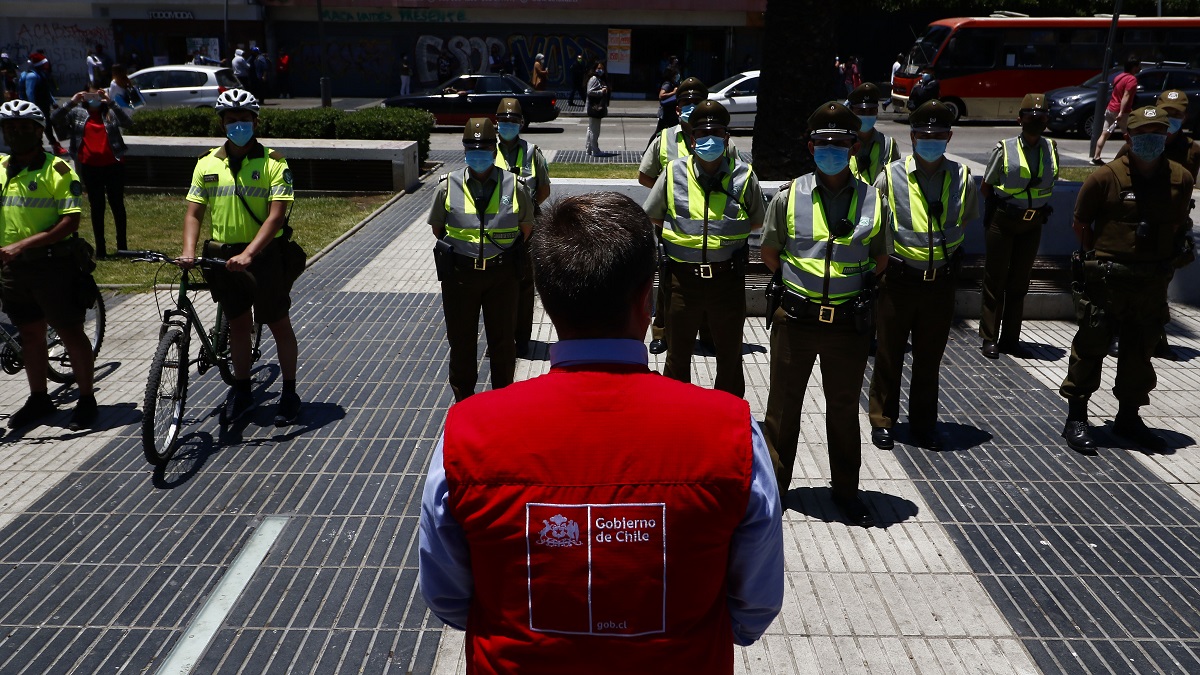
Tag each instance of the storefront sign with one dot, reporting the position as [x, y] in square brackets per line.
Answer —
[177, 14]
[390, 15]
[620, 41]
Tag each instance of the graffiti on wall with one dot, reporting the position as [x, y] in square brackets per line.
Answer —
[436, 55]
[363, 59]
[65, 44]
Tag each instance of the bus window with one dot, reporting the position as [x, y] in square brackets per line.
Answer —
[926, 48]
[969, 49]
[1083, 49]
[1030, 48]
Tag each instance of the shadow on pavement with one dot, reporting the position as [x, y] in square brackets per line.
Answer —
[956, 436]
[817, 502]
[1045, 352]
[1106, 439]
[193, 451]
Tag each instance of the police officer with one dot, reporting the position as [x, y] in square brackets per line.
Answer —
[45, 268]
[481, 217]
[1180, 149]
[875, 149]
[524, 160]
[706, 204]
[1017, 185]
[249, 189]
[1127, 217]
[669, 145]
[826, 232]
[932, 199]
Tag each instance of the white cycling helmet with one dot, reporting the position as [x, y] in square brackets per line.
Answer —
[237, 99]
[22, 110]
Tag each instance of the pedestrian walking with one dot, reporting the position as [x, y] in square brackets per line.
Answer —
[283, 73]
[705, 206]
[1017, 186]
[1128, 217]
[824, 236]
[1116, 114]
[93, 123]
[541, 76]
[121, 90]
[405, 77]
[578, 80]
[597, 107]
[262, 70]
[896, 65]
[243, 70]
[481, 217]
[38, 91]
[667, 97]
[932, 199]
[668, 524]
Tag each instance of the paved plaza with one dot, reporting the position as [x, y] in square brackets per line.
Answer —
[296, 549]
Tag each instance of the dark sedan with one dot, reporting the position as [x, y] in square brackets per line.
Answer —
[460, 98]
[1072, 108]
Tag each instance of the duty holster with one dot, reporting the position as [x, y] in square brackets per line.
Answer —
[774, 292]
[1087, 311]
[443, 259]
[863, 306]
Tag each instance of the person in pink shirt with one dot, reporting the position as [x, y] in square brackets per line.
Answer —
[1119, 104]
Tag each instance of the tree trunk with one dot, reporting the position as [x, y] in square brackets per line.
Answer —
[797, 77]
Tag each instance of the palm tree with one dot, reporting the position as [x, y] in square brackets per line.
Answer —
[797, 76]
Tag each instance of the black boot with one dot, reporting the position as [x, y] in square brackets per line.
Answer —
[1076, 431]
[1129, 425]
[1163, 350]
[1114, 347]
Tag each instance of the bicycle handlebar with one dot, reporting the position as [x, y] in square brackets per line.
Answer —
[159, 257]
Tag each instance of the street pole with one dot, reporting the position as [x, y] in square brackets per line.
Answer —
[326, 88]
[225, 51]
[1102, 88]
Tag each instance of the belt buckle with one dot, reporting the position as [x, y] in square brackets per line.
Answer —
[825, 313]
[706, 271]
[930, 274]
[481, 263]
[1030, 214]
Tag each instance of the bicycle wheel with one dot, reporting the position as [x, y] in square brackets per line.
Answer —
[166, 396]
[59, 364]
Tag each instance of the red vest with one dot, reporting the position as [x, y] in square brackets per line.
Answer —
[598, 528]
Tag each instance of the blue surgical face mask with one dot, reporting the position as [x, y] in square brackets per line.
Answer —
[831, 159]
[1148, 147]
[508, 130]
[931, 149]
[708, 148]
[599, 71]
[239, 132]
[1174, 125]
[868, 121]
[686, 112]
[481, 160]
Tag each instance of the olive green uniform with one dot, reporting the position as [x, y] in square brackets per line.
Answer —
[472, 285]
[796, 342]
[1126, 280]
[527, 159]
[1012, 236]
[913, 302]
[718, 300]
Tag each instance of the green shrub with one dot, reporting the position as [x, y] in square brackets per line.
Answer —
[388, 124]
[176, 122]
[309, 123]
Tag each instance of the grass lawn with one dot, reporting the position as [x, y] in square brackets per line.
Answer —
[1075, 173]
[156, 223]
[558, 170]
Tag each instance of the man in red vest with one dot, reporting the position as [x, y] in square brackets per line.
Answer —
[601, 535]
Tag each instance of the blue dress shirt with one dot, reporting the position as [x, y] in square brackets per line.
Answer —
[755, 574]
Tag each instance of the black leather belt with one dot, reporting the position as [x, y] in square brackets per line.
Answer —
[802, 309]
[466, 262]
[901, 269]
[706, 270]
[59, 249]
[1013, 211]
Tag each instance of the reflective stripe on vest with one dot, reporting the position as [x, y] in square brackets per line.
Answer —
[1017, 176]
[912, 238]
[881, 153]
[500, 219]
[803, 259]
[671, 145]
[691, 214]
[34, 200]
[525, 160]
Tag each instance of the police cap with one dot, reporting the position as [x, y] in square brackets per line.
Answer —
[509, 109]
[833, 122]
[865, 94]
[692, 90]
[709, 116]
[931, 116]
[1172, 99]
[480, 133]
[1147, 116]
[1033, 102]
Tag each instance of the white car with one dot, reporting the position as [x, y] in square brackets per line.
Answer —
[739, 95]
[186, 86]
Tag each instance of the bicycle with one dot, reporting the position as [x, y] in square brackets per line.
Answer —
[59, 361]
[167, 383]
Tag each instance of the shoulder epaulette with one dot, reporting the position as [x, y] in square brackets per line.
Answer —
[4, 161]
[61, 167]
[276, 155]
[443, 178]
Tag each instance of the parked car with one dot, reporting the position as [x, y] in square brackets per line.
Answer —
[460, 98]
[1072, 109]
[739, 95]
[186, 86]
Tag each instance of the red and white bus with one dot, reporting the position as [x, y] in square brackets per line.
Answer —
[985, 66]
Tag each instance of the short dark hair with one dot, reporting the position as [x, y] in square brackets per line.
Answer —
[1132, 63]
[592, 255]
